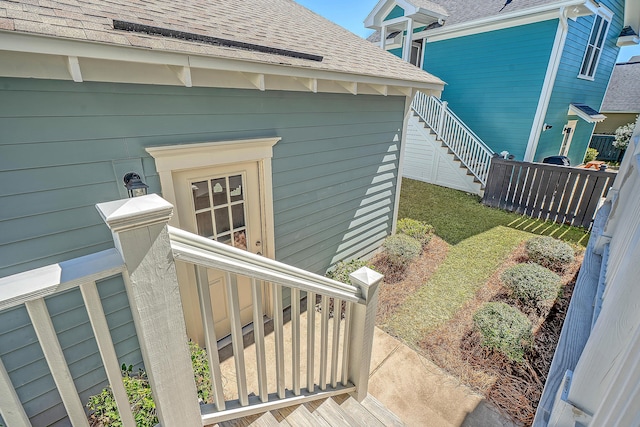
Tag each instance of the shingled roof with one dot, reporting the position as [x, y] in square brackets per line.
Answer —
[277, 25]
[623, 93]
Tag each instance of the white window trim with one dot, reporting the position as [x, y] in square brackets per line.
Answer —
[605, 24]
[174, 158]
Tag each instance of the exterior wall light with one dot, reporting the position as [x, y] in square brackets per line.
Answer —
[134, 185]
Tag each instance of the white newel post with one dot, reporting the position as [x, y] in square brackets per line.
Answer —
[363, 324]
[139, 227]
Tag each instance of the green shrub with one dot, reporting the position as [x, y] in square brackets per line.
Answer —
[532, 284]
[419, 230]
[590, 155]
[505, 329]
[104, 412]
[549, 252]
[343, 269]
[402, 249]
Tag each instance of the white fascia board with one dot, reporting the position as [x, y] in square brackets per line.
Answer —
[574, 111]
[29, 43]
[492, 23]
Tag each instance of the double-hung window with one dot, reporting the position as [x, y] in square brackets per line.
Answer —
[594, 46]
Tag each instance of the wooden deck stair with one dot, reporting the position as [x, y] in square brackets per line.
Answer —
[342, 410]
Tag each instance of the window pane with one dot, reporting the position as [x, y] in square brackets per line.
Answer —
[200, 192]
[224, 239]
[205, 226]
[219, 187]
[235, 188]
[222, 220]
[240, 240]
[603, 33]
[594, 31]
[594, 61]
[587, 61]
[237, 213]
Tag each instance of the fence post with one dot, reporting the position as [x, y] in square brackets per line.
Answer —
[139, 227]
[443, 112]
[363, 324]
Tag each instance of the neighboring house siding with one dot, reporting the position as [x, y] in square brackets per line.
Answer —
[613, 121]
[568, 88]
[396, 12]
[397, 52]
[494, 80]
[334, 181]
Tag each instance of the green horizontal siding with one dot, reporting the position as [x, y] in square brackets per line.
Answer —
[396, 12]
[568, 88]
[334, 179]
[494, 80]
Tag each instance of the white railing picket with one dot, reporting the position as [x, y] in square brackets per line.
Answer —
[102, 335]
[258, 334]
[465, 145]
[278, 330]
[335, 345]
[233, 304]
[12, 411]
[295, 340]
[311, 340]
[204, 295]
[324, 342]
[48, 339]
[345, 344]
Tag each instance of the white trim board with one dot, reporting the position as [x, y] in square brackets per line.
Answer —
[521, 17]
[35, 56]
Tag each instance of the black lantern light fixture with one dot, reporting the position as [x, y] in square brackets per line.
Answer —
[134, 185]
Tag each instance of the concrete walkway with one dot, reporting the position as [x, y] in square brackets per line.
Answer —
[422, 394]
[409, 385]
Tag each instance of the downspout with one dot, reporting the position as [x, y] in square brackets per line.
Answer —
[547, 87]
[403, 142]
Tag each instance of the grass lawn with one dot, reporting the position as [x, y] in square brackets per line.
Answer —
[482, 239]
[457, 215]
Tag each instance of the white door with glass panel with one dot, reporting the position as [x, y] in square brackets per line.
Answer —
[567, 136]
[222, 203]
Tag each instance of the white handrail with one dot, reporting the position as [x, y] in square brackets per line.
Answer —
[456, 135]
[199, 250]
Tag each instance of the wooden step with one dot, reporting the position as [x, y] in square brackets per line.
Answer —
[356, 410]
[384, 415]
[333, 413]
[299, 415]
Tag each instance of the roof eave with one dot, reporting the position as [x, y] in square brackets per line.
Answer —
[534, 14]
[78, 60]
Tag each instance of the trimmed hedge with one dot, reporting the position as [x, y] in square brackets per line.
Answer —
[402, 249]
[532, 284]
[549, 252]
[419, 230]
[505, 329]
[343, 269]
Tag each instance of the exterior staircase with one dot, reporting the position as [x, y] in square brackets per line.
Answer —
[341, 410]
[442, 150]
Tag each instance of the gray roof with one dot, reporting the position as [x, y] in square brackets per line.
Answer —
[623, 93]
[279, 24]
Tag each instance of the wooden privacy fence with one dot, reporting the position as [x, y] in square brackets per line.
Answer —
[562, 194]
[606, 150]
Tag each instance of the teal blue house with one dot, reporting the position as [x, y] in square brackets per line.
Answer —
[266, 126]
[527, 77]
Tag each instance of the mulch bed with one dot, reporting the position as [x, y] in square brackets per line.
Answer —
[513, 387]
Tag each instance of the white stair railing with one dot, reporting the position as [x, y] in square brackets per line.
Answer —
[474, 154]
[145, 257]
[338, 365]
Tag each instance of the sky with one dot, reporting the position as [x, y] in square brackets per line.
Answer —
[350, 14]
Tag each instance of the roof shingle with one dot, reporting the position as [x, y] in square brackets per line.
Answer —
[281, 24]
[623, 93]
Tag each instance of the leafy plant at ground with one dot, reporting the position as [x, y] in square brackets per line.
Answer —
[419, 230]
[402, 249]
[590, 155]
[505, 329]
[343, 269]
[532, 284]
[623, 135]
[104, 411]
[549, 252]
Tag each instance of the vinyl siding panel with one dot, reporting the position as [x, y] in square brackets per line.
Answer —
[494, 80]
[568, 88]
[334, 179]
[25, 363]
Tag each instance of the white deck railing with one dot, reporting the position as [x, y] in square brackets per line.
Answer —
[145, 258]
[474, 154]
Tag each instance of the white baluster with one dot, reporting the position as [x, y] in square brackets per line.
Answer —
[324, 339]
[295, 339]
[258, 334]
[337, 314]
[236, 337]
[311, 339]
[278, 339]
[345, 344]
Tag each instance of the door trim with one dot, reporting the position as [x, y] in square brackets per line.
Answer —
[175, 158]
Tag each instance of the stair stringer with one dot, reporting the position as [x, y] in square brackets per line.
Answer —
[425, 159]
